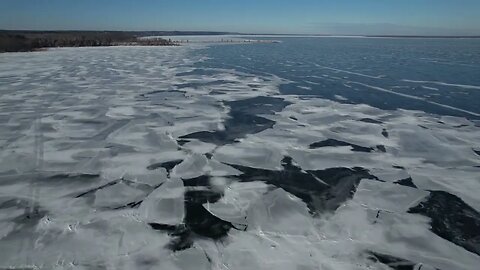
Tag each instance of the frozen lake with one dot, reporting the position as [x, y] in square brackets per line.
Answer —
[312, 153]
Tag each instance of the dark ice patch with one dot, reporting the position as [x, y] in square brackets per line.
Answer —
[65, 178]
[48, 127]
[198, 222]
[201, 84]
[385, 133]
[29, 213]
[336, 143]
[182, 142]
[31, 217]
[163, 94]
[181, 239]
[197, 218]
[242, 120]
[323, 190]
[181, 236]
[258, 105]
[216, 92]
[292, 179]
[197, 71]
[126, 206]
[201, 181]
[253, 85]
[476, 151]
[343, 183]
[237, 126]
[392, 262]
[163, 227]
[381, 148]
[408, 182]
[169, 165]
[370, 121]
[452, 219]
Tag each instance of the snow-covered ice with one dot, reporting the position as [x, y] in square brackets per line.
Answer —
[140, 158]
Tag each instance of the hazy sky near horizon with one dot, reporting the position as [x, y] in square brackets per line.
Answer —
[408, 17]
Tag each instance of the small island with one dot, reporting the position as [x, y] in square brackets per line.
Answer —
[26, 41]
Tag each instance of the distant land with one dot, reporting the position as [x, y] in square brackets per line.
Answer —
[24, 40]
[30, 40]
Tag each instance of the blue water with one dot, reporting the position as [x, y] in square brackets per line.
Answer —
[368, 70]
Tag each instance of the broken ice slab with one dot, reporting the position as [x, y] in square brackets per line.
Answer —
[237, 199]
[118, 195]
[196, 165]
[165, 205]
[279, 212]
[388, 197]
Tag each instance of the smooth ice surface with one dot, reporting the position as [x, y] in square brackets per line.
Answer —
[189, 158]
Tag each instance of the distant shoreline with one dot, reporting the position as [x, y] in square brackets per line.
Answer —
[27, 41]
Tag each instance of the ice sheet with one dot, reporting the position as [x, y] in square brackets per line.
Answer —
[111, 156]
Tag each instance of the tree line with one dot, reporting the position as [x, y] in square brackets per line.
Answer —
[18, 41]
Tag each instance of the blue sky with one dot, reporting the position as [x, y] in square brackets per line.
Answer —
[253, 16]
